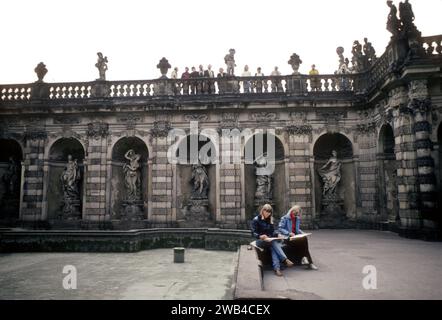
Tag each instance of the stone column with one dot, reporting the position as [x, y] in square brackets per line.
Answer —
[300, 170]
[231, 214]
[35, 172]
[405, 152]
[162, 207]
[421, 106]
[367, 171]
[96, 173]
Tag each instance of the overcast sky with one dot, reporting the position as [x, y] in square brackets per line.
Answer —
[136, 34]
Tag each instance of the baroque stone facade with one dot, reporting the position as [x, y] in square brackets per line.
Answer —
[387, 142]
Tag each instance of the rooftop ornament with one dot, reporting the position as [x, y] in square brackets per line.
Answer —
[295, 61]
[102, 66]
[164, 66]
[41, 71]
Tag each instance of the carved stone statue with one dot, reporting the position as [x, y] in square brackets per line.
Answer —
[407, 17]
[102, 66]
[41, 71]
[358, 59]
[164, 66]
[331, 175]
[200, 182]
[370, 53]
[343, 62]
[70, 179]
[295, 62]
[264, 183]
[229, 59]
[132, 176]
[11, 178]
[393, 24]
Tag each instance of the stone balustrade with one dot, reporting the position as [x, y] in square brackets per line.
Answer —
[433, 45]
[293, 85]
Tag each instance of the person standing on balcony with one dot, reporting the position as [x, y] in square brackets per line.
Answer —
[276, 83]
[221, 75]
[174, 76]
[210, 83]
[315, 83]
[185, 77]
[259, 84]
[194, 75]
[246, 83]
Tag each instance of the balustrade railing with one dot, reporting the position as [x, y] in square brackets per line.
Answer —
[433, 45]
[289, 85]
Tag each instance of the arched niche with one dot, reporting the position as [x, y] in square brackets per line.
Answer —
[346, 188]
[388, 202]
[10, 180]
[125, 205]
[191, 211]
[257, 145]
[65, 179]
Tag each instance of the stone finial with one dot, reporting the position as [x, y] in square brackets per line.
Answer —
[41, 71]
[295, 61]
[164, 66]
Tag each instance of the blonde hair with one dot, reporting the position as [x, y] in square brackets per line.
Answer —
[295, 208]
[267, 207]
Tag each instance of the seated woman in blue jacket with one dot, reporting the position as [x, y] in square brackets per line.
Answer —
[289, 225]
[262, 229]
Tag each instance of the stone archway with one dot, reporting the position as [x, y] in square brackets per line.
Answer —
[387, 186]
[129, 179]
[196, 185]
[65, 180]
[335, 189]
[255, 188]
[10, 180]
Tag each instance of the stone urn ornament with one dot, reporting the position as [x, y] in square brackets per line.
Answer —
[164, 66]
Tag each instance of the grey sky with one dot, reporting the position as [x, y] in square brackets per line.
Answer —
[135, 34]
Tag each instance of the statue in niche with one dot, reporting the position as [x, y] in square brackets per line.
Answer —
[199, 181]
[295, 62]
[101, 66]
[331, 175]
[11, 178]
[393, 25]
[132, 176]
[70, 179]
[264, 185]
[41, 71]
[229, 59]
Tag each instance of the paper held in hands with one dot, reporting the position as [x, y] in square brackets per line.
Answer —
[302, 235]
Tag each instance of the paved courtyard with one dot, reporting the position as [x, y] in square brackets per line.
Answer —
[405, 268]
[143, 275]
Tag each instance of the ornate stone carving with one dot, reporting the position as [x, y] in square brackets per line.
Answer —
[229, 60]
[299, 129]
[398, 96]
[422, 106]
[70, 182]
[295, 62]
[200, 182]
[101, 66]
[130, 120]
[331, 116]
[164, 66]
[418, 89]
[97, 130]
[263, 116]
[41, 71]
[264, 181]
[366, 128]
[298, 116]
[196, 117]
[160, 128]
